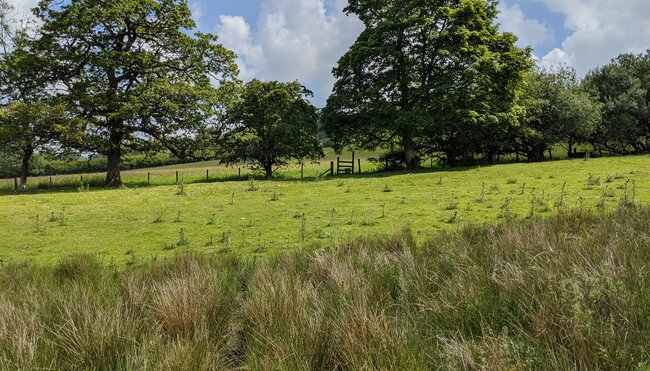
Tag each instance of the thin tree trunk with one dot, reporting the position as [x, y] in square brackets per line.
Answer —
[24, 171]
[268, 170]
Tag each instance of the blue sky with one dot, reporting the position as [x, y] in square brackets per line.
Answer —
[302, 39]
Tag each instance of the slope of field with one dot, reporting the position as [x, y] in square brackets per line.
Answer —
[259, 218]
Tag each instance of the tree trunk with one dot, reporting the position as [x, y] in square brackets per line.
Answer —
[410, 155]
[114, 155]
[268, 171]
[536, 154]
[24, 170]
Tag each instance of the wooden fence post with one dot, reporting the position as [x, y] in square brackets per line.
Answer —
[207, 175]
[353, 162]
[148, 179]
[359, 170]
[176, 177]
[50, 181]
[302, 171]
[338, 161]
[332, 168]
[239, 172]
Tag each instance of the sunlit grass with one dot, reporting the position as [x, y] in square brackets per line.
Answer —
[262, 218]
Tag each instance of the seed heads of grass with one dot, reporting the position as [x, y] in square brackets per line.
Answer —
[592, 181]
[453, 203]
[252, 187]
[629, 194]
[182, 238]
[181, 188]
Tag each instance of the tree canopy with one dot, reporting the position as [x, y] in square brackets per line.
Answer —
[130, 70]
[556, 111]
[623, 88]
[272, 123]
[423, 75]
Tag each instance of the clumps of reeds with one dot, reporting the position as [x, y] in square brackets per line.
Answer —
[453, 203]
[565, 292]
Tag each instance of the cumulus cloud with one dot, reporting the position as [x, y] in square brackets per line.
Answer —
[23, 8]
[197, 10]
[294, 39]
[601, 29]
[531, 32]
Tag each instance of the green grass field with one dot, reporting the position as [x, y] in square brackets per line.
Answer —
[261, 218]
[192, 173]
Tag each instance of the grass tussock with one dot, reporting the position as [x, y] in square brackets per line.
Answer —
[571, 292]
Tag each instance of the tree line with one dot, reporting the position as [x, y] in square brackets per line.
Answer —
[424, 79]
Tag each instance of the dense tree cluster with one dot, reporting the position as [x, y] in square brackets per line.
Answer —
[425, 79]
[437, 78]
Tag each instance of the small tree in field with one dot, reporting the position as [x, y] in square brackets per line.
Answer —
[271, 124]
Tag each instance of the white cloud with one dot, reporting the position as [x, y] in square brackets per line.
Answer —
[23, 8]
[602, 29]
[531, 32]
[197, 10]
[236, 34]
[294, 39]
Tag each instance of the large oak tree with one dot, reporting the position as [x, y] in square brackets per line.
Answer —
[131, 70]
[423, 75]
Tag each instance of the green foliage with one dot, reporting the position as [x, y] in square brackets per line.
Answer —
[623, 88]
[426, 77]
[557, 111]
[134, 74]
[272, 124]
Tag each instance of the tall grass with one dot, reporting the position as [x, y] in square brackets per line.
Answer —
[571, 292]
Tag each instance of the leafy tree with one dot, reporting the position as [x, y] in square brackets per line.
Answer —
[30, 120]
[423, 76]
[623, 88]
[28, 127]
[5, 25]
[557, 111]
[133, 73]
[271, 124]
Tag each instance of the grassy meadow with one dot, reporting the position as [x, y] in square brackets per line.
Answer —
[261, 218]
[192, 173]
[568, 292]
